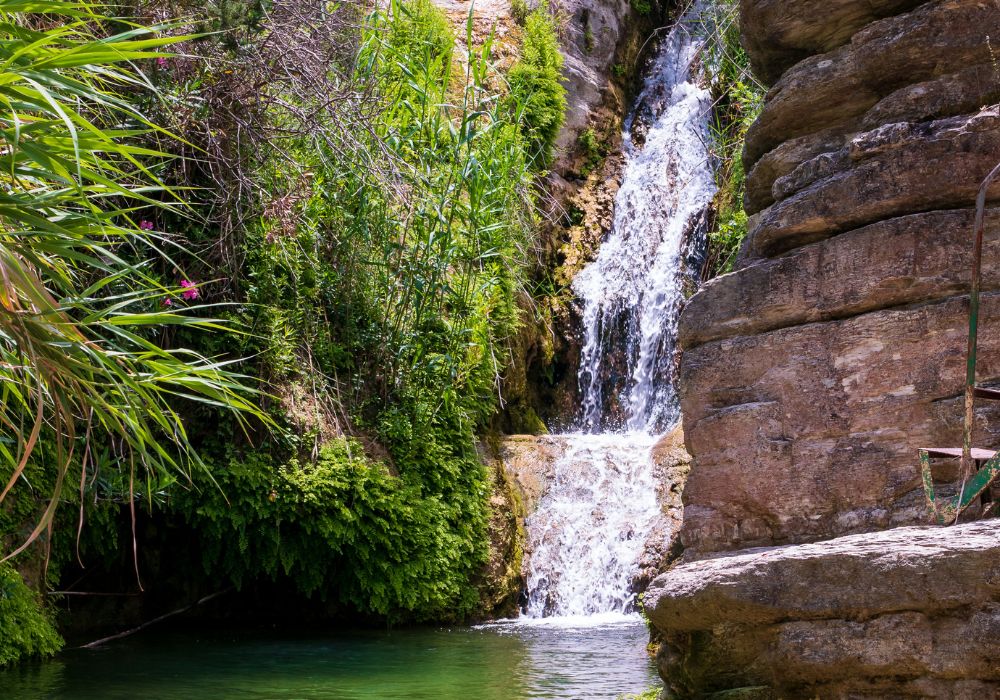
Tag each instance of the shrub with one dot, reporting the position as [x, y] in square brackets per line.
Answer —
[538, 96]
[25, 628]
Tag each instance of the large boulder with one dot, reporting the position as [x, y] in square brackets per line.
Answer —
[909, 612]
[779, 33]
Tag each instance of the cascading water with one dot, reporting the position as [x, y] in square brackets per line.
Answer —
[590, 528]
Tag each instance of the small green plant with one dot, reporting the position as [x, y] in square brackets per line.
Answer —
[519, 11]
[651, 694]
[643, 7]
[738, 98]
[618, 70]
[537, 96]
[588, 38]
[591, 151]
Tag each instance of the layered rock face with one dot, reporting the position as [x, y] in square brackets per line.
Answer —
[812, 373]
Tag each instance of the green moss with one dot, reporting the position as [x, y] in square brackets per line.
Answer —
[643, 7]
[25, 629]
[591, 151]
[345, 527]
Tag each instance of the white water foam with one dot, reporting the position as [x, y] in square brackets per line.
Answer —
[589, 531]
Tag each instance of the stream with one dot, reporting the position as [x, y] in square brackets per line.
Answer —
[501, 661]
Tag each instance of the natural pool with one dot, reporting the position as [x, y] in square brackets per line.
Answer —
[501, 661]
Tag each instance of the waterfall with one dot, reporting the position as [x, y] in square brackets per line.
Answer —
[589, 530]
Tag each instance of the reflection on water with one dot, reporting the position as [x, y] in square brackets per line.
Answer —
[502, 661]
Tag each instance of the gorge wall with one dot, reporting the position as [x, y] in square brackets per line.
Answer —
[812, 373]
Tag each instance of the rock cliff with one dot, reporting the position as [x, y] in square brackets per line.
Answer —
[812, 373]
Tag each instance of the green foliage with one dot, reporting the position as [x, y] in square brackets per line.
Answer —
[651, 694]
[346, 527]
[738, 99]
[25, 629]
[591, 151]
[519, 11]
[80, 356]
[391, 297]
[643, 7]
[538, 98]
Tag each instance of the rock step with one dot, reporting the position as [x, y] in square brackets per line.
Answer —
[906, 612]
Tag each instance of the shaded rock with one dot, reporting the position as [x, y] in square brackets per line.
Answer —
[779, 33]
[811, 431]
[672, 464]
[902, 613]
[905, 260]
[912, 60]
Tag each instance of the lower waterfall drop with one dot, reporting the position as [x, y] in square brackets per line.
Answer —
[590, 528]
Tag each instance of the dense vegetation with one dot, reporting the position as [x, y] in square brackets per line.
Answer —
[349, 207]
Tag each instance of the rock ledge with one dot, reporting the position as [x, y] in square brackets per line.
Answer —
[908, 612]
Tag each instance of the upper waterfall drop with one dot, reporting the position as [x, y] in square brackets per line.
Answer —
[631, 293]
[589, 531]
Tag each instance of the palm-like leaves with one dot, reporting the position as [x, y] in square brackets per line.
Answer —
[77, 359]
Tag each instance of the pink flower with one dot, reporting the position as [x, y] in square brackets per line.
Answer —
[190, 289]
[168, 302]
[146, 225]
[161, 62]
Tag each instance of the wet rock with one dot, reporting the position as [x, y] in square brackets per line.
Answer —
[910, 612]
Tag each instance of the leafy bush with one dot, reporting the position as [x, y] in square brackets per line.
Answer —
[539, 98]
[25, 629]
[519, 11]
[344, 526]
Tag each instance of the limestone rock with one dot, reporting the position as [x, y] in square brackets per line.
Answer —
[905, 260]
[901, 613]
[784, 159]
[779, 33]
[908, 52]
[529, 460]
[672, 464]
[811, 431]
[894, 170]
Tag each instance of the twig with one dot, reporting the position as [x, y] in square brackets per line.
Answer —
[128, 633]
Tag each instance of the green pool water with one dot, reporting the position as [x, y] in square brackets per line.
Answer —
[504, 661]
